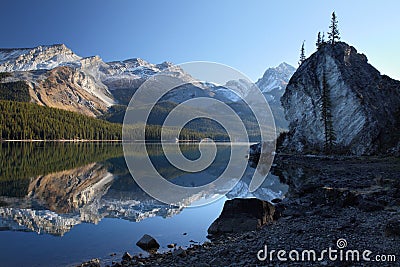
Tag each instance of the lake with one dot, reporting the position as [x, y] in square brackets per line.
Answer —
[64, 203]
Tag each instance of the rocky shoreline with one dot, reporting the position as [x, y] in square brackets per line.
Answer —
[352, 199]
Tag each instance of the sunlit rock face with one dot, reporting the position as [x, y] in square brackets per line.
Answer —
[365, 104]
[57, 78]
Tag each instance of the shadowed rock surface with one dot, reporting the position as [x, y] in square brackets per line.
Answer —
[148, 243]
[240, 215]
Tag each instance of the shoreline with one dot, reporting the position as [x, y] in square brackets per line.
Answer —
[356, 199]
[57, 140]
[118, 141]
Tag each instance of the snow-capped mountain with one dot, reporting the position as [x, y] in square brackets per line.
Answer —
[123, 78]
[86, 85]
[57, 77]
[276, 78]
[41, 57]
[235, 90]
[273, 85]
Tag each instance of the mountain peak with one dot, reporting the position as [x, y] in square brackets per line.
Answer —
[59, 46]
[39, 57]
[276, 78]
[136, 62]
[285, 67]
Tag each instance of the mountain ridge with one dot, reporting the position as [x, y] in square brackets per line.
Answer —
[57, 77]
[364, 103]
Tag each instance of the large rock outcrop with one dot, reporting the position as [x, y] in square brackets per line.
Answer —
[67, 88]
[365, 105]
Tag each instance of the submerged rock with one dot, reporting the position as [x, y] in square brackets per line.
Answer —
[239, 215]
[364, 104]
[147, 242]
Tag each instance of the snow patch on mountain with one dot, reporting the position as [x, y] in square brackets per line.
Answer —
[276, 78]
[41, 57]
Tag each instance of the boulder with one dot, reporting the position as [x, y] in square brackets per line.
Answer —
[239, 215]
[147, 242]
[126, 257]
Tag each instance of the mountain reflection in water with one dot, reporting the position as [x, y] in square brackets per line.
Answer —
[49, 188]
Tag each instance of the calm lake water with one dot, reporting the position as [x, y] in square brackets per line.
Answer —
[64, 203]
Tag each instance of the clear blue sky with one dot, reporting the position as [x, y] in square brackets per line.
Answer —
[248, 35]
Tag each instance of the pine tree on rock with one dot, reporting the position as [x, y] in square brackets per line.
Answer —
[318, 43]
[333, 35]
[326, 112]
[302, 54]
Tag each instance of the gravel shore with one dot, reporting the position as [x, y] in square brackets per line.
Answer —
[334, 203]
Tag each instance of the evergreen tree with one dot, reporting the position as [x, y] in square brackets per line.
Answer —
[326, 106]
[302, 54]
[318, 43]
[323, 38]
[333, 35]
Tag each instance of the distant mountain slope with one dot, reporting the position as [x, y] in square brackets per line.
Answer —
[57, 77]
[273, 85]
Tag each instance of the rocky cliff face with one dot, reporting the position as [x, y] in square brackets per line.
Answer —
[58, 78]
[365, 105]
[66, 88]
